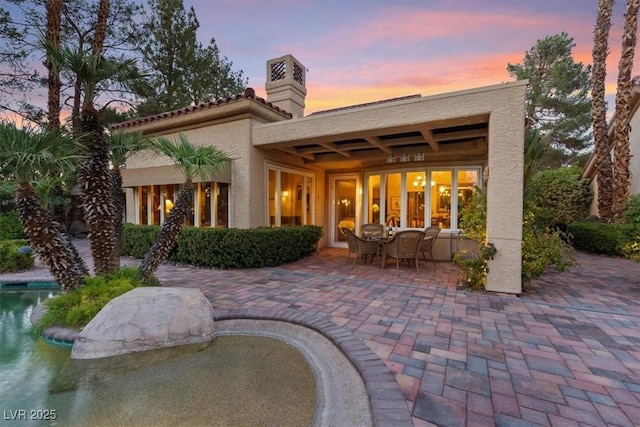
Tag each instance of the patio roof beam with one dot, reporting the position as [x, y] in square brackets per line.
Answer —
[297, 153]
[427, 134]
[377, 143]
[333, 147]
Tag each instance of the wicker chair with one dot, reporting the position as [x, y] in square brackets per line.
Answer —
[359, 246]
[403, 245]
[372, 230]
[426, 247]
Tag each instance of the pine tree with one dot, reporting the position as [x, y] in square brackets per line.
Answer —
[558, 103]
[182, 70]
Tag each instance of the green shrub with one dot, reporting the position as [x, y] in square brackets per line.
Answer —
[601, 238]
[542, 248]
[11, 260]
[76, 308]
[560, 196]
[229, 247]
[10, 227]
[138, 239]
[631, 214]
[474, 264]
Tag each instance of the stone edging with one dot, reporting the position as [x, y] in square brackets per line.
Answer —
[388, 404]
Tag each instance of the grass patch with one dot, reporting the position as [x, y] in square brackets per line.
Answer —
[76, 308]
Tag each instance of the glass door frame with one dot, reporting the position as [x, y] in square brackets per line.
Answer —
[333, 226]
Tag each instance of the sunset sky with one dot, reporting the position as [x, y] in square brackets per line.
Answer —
[365, 50]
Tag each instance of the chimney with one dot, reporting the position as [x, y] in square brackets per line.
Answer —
[286, 84]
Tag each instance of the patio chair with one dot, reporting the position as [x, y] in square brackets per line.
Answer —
[372, 230]
[403, 245]
[426, 247]
[360, 247]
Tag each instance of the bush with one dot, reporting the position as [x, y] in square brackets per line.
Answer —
[228, 247]
[474, 263]
[542, 248]
[76, 308]
[631, 214]
[560, 196]
[11, 260]
[601, 238]
[10, 227]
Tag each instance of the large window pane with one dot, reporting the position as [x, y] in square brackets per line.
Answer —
[143, 203]
[393, 200]
[345, 206]
[204, 202]
[441, 198]
[291, 186]
[415, 213]
[467, 185]
[222, 205]
[273, 197]
[309, 201]
[290, 198]
[373, 199]
[157, 204]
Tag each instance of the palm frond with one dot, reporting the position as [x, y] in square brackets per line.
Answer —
[29, 152]
[122, 145]
[192, 160]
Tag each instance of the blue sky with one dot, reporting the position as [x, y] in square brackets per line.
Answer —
[359, 51]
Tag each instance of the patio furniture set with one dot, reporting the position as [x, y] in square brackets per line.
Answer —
[404, 245]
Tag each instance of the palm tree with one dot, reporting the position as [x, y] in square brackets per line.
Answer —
[54, 13]
[29, 155]
[622, 155]
[121, 146]
[192, 161]
[93, 174]
[604, 166]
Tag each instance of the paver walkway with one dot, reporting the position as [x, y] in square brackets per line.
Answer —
[564, 353]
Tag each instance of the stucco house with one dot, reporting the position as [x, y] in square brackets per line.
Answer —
[589, 171]
[408, 162]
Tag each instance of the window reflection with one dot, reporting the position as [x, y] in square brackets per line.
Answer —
[393, 200]
[415, 200]
[373, 199]
[441, 198]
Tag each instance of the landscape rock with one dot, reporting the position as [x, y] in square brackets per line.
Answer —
[147, 318]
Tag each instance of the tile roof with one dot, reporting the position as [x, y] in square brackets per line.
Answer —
[249, 93]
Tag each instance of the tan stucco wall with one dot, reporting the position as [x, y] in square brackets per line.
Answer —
[504, 190]
[505, 105]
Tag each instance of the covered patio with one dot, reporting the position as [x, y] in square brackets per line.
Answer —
[564, 352]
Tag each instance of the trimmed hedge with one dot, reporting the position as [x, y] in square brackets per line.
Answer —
[598, 237]
[10, 227]
[228, 247]
[11, 260]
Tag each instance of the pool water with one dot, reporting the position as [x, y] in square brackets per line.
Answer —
[235, 380]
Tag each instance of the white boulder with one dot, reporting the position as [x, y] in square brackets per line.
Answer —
[146, 318]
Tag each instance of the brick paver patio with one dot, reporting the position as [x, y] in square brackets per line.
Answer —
[566, 352]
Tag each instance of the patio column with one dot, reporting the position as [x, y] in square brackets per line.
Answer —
[504, 192]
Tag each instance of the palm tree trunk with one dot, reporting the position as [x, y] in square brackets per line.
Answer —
[54, 11]
[603, 164]
[118, 207]
[46, 238]
[101, 27]
[168, 232]
[94, 178]
[622, 154]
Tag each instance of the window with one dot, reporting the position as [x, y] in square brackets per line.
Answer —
[419, 198]
[290, 196]
[210, 204]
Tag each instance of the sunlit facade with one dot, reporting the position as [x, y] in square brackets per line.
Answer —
[407, 163]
